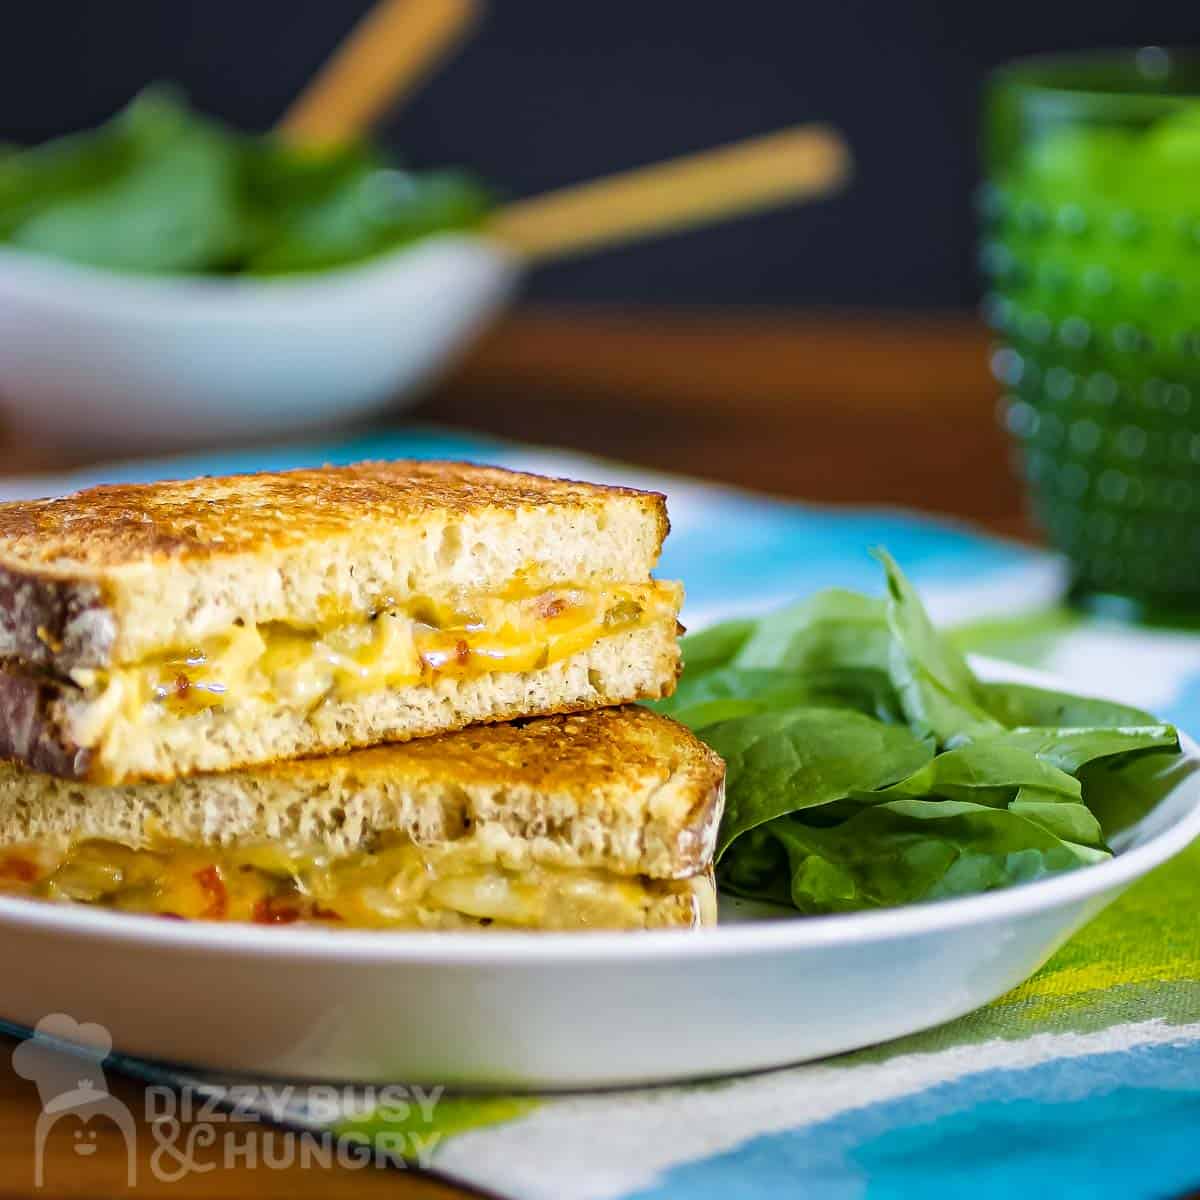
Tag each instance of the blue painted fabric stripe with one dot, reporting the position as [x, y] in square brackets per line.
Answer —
[418, 442]
[1121, 1125]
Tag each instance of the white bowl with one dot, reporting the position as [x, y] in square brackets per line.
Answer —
[103, 359]
[557, 1010]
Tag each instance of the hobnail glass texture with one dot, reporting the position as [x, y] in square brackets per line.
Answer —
[1091, 248]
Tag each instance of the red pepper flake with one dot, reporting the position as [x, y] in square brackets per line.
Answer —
[182, 684]
[461, 652]
[269, 911]
[209, 879]
[326, 914]
[20, 869]
[550, 606]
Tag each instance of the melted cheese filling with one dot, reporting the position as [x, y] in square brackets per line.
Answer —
[397, 885]
[400, 645]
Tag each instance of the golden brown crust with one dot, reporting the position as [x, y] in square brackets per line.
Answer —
[626, 757]
[121, 525]
[598, 750]
[623, 789]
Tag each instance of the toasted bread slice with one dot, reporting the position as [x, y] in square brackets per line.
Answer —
[113, 575]
[607, 820]
[77, 734]
[620, 789]
[148, 632]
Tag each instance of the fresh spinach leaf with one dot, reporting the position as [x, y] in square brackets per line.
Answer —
[984, 772]
[1068, 819]
[173, 212]
[937, 689]
[161, 189]
[831, 715]
[368, 213]
[32, 179]
[712, 712]
[781, 689]
[757, 866]
[1015, 704]
[781, 762]
[168, 204]
[1123, 791]
[998, 775]
[899, 853]
[738, 691]
[714, 647]
[834, 629]
[1071, 749]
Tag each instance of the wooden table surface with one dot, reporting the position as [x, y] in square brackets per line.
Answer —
[866, 409]
[851, 409]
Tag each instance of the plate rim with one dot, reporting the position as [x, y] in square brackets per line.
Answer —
[539, 949]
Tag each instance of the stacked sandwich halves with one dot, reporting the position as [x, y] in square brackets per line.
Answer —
[191, 671]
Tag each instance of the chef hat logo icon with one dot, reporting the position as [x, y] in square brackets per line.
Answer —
[65, 1059]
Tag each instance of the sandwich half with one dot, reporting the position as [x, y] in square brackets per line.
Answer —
[150, 631]
[604, 819]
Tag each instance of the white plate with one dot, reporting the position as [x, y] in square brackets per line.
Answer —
[557, 1011]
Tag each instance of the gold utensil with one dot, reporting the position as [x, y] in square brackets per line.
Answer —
[698, 189]
[385, 56]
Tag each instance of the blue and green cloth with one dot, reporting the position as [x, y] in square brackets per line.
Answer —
[1084, 1082]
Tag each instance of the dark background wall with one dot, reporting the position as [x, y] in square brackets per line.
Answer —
[551, 91]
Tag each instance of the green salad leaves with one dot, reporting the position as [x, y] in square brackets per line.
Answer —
[161, 189]
[868, 766]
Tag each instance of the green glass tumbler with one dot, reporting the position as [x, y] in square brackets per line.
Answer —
[1091, 248]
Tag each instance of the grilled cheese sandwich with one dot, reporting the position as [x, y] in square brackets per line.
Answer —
[604, 819]
[152, 631]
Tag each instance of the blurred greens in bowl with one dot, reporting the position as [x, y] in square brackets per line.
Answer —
[1091, 246]
[166, 281]
[161, 189]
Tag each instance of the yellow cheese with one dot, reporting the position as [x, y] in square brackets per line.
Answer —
[421, 640]
[397, 885]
